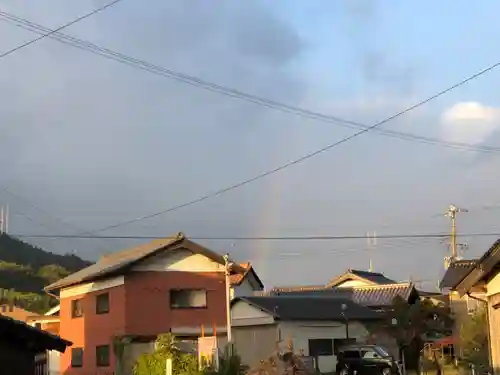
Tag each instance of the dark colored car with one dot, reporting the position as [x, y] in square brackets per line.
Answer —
[366, 360]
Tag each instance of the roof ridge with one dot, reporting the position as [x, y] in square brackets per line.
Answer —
[379, 286]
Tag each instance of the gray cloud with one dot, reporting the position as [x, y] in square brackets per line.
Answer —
[96, 142]
[99, 142]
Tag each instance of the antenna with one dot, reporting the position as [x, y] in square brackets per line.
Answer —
[371, 238]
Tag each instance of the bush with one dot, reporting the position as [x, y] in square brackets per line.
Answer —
[229, 364]
[155, 363]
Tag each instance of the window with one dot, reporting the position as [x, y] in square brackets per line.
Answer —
[76, 357]
[102, 355]
[319, 347]
[102, 303]
[188, 299]
[381, 351]
[76, 308]
[369, 354]
[352, 354]
[339, 343]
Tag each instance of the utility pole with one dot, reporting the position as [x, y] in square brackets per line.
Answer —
[227, 272]
[372, 243]
[1, 220]
[452, 214]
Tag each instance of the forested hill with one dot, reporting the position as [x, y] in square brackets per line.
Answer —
[25, 270]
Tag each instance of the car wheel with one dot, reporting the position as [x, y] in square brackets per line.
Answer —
[344, 371]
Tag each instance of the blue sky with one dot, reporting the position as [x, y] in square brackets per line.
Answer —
[93, 142]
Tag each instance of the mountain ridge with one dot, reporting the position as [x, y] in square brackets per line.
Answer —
[26, 269]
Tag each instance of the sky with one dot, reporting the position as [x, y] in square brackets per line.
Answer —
[86, 142]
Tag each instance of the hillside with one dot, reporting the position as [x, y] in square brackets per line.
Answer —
[25, 270]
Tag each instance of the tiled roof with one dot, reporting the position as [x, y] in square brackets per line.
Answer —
[371, 296]
[237, 278]
[306, 308]
[456, 272]
[372, 278]
[118, 262]
[375, 277]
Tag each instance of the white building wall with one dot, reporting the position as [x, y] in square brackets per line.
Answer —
[179, 260]
[301, 332]
[245, 289]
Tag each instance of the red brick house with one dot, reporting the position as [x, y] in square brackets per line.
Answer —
[168, 285]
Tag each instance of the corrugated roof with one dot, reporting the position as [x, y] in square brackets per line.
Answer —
[117, 262]
[306, 308]
[370, 296]
[457, 270]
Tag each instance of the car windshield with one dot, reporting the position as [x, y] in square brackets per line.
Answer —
[381, 351]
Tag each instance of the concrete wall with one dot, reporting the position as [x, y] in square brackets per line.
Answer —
[255, 343]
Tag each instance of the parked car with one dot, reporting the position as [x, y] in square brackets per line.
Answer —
[362, 359]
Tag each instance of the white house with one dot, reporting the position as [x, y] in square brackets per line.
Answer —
[316, 326]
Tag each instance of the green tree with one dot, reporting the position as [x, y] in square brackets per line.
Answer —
[411, 324]
[52, 272]
[165, 347]
[474, 340]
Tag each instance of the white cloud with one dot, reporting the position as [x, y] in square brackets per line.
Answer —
[469, 122]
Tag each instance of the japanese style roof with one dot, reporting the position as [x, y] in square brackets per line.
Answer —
[484, 267]
[371, 278]
[120, 262]
[17, 332]
[370, 296]
[311, 309]
[455, 273]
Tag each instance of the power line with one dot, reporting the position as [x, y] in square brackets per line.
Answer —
[227, 91]
[301, 159]
[51, 32]
[240, 95]
[262, 238]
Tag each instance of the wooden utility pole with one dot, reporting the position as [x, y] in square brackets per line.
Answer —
[452, 214]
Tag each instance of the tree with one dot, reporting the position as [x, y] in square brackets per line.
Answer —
[165, 348]
[474, 340]
[410, 324]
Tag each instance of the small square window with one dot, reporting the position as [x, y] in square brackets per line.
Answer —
[102, 355]
[102, 303]
[76, 308]
[76, 357]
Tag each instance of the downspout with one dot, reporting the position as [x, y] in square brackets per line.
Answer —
[488, 322]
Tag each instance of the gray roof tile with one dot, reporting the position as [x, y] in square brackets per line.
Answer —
[117, 262]
[307, 308]
[456, 272]
[371, 296]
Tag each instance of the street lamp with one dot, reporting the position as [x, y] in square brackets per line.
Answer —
[344, 309]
